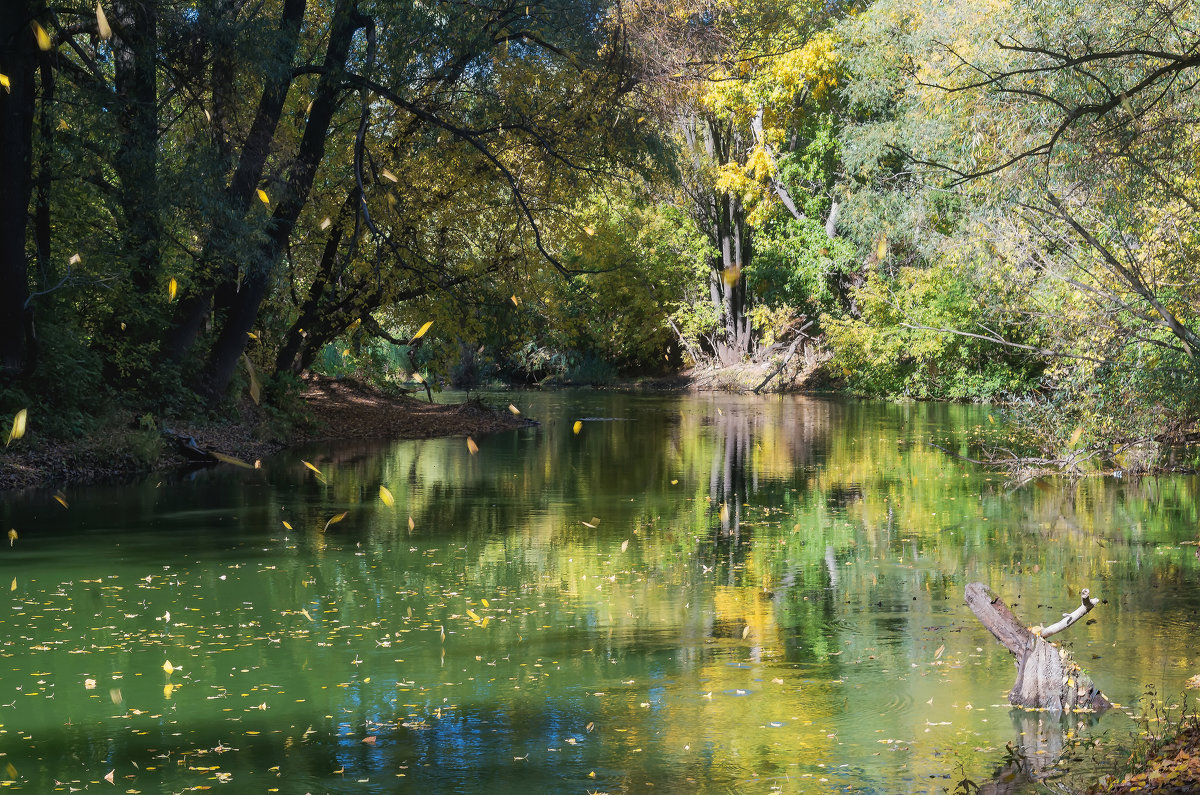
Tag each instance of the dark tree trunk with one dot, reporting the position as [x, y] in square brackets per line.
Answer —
[1047, 677]
[239, 309]
[220, 248]
[18, 60]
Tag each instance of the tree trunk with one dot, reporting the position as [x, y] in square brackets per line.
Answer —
[18, 60]
[1047, 676]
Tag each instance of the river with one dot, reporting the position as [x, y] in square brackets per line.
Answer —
[677, 594]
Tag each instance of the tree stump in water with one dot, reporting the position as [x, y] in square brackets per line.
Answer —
[1047, 677]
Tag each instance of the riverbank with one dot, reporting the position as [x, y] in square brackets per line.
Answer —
[1173, 768]
[326, 409]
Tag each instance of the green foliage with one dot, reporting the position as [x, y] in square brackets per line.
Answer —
[797, 265]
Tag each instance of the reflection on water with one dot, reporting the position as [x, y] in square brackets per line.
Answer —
[691, 594]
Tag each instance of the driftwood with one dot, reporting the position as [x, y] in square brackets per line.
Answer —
[1047, 676]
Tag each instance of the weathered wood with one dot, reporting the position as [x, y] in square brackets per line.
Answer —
[1047, 676]
[1070, 618]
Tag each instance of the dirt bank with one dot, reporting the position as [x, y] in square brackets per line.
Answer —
[334, 409]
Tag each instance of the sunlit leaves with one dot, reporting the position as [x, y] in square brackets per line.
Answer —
[43, 38]
[18, 427]
[102, 23]
[387, 497]
[421, 331]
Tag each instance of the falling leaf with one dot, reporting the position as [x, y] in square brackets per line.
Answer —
[411, 524]
[590, 726]
[228, 459]
[252, 335]
[75, 259]
[731, 275]
[589, 231]
[881, 248]
[18, 427]
[170, 669]
[335, 520]
[389, 175]
[417, 377]
[421, 331]
[514, 409]
[61, 499]
[474, 448]
[6, 83]
[12, 537]
[109, 776]
[172, 289]
[102, 23]
[262, 197]
[287, 526]
[13, 587]
[577, 427]
[625, 545]
[745, 632]
[326, 222]
[674, 482]
[254, 386]
[43, 38]
[313, 468]
[387, 497]
[515, 300]
[1075, 436]
[937, 655]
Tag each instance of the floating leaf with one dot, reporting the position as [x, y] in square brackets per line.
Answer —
[484, 602]
[472, 615]
[587, 524]
[12, 537]
[515, 411]
[577, 427]
[43, 38]
[61, 499]
[421, 331]
[109, 776]
[102, 23]
[625, 545]
[335, 520]
[262, 197]
[387, 497]
[172, 289]
[170, 669]
[370, 740]
[18, 427]
[937, 655]
[474, 448]
[411, 524]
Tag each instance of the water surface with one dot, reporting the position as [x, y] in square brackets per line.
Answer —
[709, 593]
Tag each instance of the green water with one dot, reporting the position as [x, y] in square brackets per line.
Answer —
[690, 594]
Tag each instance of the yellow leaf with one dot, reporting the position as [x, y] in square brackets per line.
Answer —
[589, 231]
[13, 587]
[325, 223]
[881, 248]
[287, 526]
[474, 448]
[61, 499]
[937, 655]
[262, 197]
[75, 259]
[417, 377]
[1075, 436]
[515, 300]
[474, 617]
[251, 335]
[484, 602]
[313, 468]
[577, 427]
[386, 496]
[102, 23]
[421, 332]
[411, 523]
[170, 669]
[991, 420]
[389, 175]
[345, 352]
[12, 537]
[514, 409]
[731, 275]
[43, 38]
[335, 520]
[6, 83]
[18, 427]
[172, 289]
[168, 689]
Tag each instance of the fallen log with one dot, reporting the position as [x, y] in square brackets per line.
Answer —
[1047, 677]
